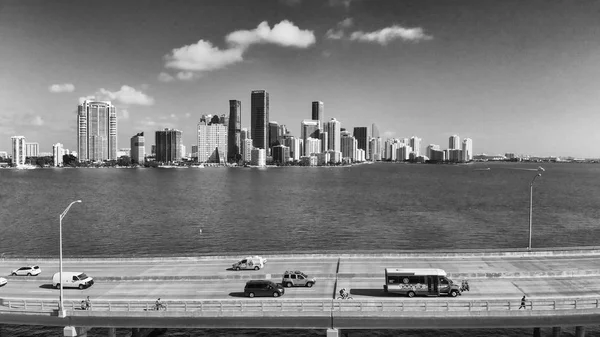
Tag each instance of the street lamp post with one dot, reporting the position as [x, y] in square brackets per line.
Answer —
[539, 169]
[61, 309]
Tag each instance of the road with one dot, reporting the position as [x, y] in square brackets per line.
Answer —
[200, 279]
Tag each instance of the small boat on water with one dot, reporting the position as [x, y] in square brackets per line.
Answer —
[483, 169]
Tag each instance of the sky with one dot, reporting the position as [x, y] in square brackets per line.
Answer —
[514, 76]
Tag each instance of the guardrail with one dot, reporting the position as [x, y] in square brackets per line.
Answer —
[309, 305]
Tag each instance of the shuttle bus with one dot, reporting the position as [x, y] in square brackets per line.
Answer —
[419, 281]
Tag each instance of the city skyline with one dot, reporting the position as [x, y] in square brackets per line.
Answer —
[513, 76]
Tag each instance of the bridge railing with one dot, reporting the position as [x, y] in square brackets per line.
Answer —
[308, 305]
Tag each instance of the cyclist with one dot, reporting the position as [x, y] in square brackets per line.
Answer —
[88, 303]
[158, 304]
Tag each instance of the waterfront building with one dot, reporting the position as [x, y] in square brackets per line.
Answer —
[361, 155]
[362, 135]
[375, 149]
[32, 149]
[194, 154]
[387, 148]
[96, 131]
[167, 145]
[18, 150]
[247, 150]
[335, 156]
[294, 144]
[57, 153]
[349, 146]
[454, 142]
[274, 134]
[258, 157]
[437, 155]
[309, 129]
[431, 147]
[281, 154]
[453, 155]
[126, 151]
[510, 156]
[404, 153]
[182, 151]
[323, 158]
[309, 160]
[334, 135]
[234, 131]
[415, 144]
[467, 150]
[318, 108]
[259, 118]
[374, 131]
[323, 136]
[153, 150]
[312, 146]
[212, 139]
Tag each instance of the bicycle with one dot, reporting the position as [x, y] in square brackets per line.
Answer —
[344, 297]
[160, 306]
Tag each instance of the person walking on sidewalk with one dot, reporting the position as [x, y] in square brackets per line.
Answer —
[523, 303]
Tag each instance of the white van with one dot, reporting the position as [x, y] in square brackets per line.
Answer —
[250, 262]
[72, 280]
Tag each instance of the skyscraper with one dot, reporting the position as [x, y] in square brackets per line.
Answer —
[233, 131]
[212, 139]
[57, 153]
[259, 118]
[467, 150]
[317, 112]
[18, 150]
[96, 131]
[454, 142]
[415, 143]
[334, 132]
[308, 129]
[167, 145]
[274, 134]
[362, 136]
[32, 149]
[374, 131]
[138, 149]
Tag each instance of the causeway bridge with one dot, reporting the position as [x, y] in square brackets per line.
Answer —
[203, 292]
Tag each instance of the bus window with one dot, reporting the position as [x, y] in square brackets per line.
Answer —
[393, 279]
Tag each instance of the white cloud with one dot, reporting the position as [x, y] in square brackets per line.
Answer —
[186, 75]
[338, 34]
[188, 115]
[126, 95]
[284, 34]
[173, 116]
[388, 34]
[37, 121]
[124, 113]
[164, 77]
[58, 88]
[388, 134]
[86, 98]
[202, 56]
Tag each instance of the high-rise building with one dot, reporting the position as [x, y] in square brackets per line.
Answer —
[281, 154]
[309, 129]
[234, 131]
[274, 135]
[167, 145]
[454, 142]
[96, 131]
[374, 131]
[57, 153]
[415, 143]
[138, 149]
[259, 118]
[259, 157]
[312, 146]
[349, 146]
[334, 134]
[431, 147]
[467, 150]
[318, 108]
[294, 144]
[212, 139]
[195, 152]
[18, 150]
[32, 149]
[324, 137]
[362, 135]
[247, 150]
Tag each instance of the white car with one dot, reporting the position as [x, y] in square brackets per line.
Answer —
[27, 271]
[3, 281]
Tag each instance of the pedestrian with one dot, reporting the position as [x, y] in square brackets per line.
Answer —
[523, 303]
[88, 303]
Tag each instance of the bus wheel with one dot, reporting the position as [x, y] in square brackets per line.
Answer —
[454, 293]
[411, 294]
